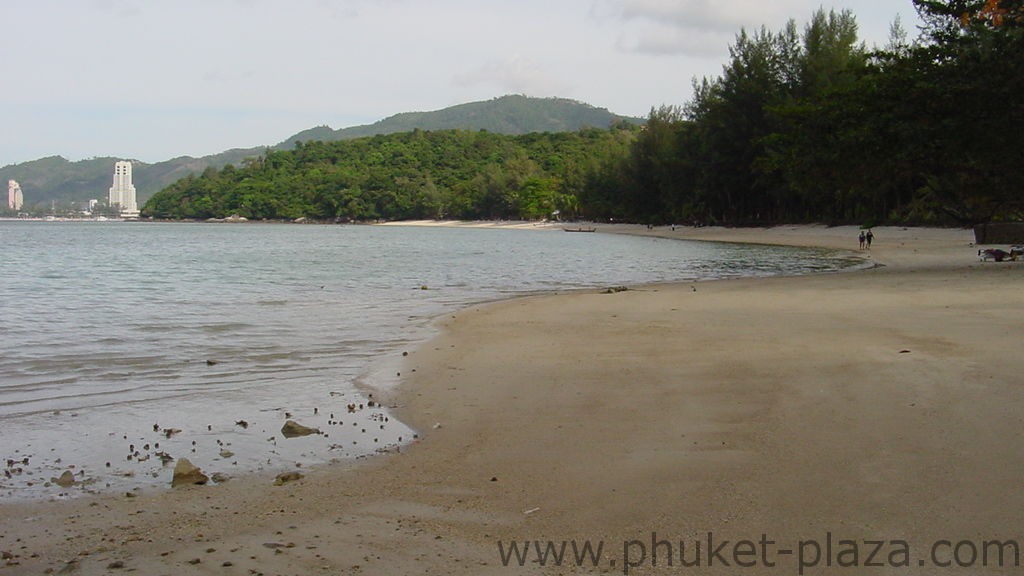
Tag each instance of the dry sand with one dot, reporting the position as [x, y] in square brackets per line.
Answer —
[884, 404]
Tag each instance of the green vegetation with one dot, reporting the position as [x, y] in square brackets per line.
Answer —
[418, 174]
[813, 127]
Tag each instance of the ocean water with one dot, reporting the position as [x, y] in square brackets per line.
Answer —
[124, 342]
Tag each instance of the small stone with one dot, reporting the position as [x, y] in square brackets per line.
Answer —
[285, 477]
[187, 473]
[292, 429]
[66, 480]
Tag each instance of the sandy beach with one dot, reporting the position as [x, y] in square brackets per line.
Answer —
[760, 416]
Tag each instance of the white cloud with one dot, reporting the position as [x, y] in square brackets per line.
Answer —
[657, 39]
[698, 28]
[720, 16]
[514, 74]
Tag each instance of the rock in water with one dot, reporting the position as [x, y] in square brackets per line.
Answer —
[187, 473]
[66, 480]
[293, 429]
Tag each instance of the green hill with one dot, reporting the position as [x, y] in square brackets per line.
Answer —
[57, 179]
[511, 115]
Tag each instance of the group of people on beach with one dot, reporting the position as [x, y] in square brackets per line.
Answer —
[865, 239]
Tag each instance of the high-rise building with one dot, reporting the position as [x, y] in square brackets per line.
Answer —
[15, 200]
[122, 193]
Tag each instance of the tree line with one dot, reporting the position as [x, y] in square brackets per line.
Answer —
[812, 126]
[413, 175]
[802, 125]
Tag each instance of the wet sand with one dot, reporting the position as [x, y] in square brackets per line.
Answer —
[881, 404]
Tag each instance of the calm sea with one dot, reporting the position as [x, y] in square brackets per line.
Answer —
[124, 341]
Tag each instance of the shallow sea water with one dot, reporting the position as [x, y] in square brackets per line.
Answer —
[126, 341]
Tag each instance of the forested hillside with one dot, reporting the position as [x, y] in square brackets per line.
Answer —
[418, 174]
[511, 114]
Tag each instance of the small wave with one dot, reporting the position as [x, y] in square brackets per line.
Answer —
[225, 327]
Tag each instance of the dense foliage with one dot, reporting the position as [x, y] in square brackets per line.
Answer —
[418, 174]
[812, 126]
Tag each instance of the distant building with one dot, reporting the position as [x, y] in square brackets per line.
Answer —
[122, 193]
[15, 200]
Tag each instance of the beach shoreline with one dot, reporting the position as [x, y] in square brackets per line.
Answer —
[873, 404]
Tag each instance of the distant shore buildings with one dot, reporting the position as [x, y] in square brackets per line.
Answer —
[122, 193]
[15, 199]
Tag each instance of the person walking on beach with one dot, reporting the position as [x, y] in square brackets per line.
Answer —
[869, 237]
[862, 238]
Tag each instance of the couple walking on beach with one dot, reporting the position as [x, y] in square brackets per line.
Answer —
[865, 239]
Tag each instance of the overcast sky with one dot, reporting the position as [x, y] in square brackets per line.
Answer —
[152, 80]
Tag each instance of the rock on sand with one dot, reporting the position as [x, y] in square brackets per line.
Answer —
[187, 473]
[292, 429]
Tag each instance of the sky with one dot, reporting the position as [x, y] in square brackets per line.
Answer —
[153, 80]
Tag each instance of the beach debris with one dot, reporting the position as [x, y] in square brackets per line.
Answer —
[211, 362]
[242, 423]
[530, 511]
[226, 453]
[219, 478]
[66, 480]
[293, 429]
[437, 425]
[187, 473]
[615, 289]
[168, 432]
[494, 478]
[285, 477]
[904, 351]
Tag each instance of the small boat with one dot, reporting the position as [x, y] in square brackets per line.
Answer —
[580, 229]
